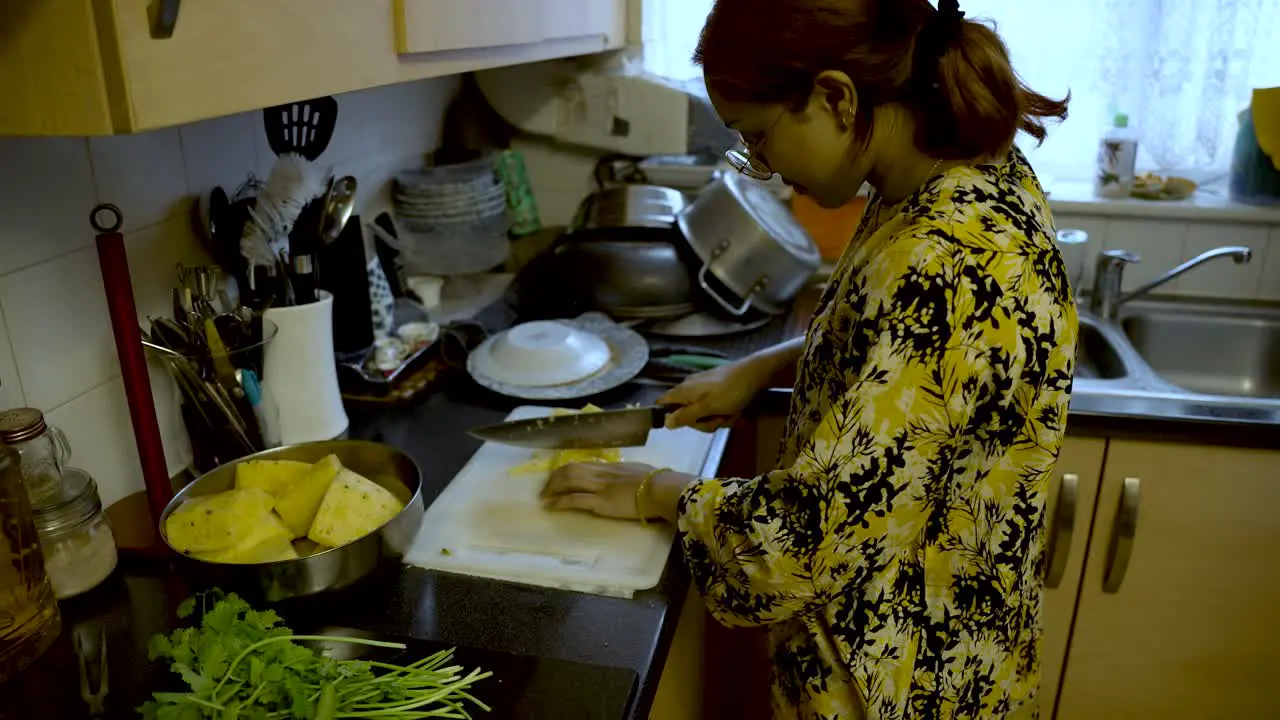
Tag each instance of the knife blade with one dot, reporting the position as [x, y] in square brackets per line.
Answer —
[605, 429]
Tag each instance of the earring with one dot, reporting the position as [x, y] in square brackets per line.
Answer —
[848, 118]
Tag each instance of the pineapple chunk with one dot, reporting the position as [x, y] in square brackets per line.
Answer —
[218, 521]
[267, 541]
[298, 502]
[353, 507]
[270, 475]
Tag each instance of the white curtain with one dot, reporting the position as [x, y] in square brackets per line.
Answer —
[1181, 69]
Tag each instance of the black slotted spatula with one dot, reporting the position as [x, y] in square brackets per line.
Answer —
[304, 128]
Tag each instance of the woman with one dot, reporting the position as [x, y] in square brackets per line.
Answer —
[897, 550]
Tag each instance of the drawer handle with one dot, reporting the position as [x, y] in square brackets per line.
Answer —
[1064, 526]
[1126, 527]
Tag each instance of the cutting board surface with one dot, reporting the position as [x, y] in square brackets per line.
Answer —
[488, 522]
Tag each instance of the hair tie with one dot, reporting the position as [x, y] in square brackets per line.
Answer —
[939, 32]
[944, 25]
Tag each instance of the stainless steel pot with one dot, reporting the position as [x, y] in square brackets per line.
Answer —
[333, 568]
[629, 272]
[748, 242]
[633, 206]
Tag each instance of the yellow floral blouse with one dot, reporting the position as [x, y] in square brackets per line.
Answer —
[897, 550]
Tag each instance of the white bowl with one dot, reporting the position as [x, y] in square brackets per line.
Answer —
[541, 354]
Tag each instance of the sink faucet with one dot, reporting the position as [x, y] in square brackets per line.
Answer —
[1107, 297]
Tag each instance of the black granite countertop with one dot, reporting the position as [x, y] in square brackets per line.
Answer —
[601, 655]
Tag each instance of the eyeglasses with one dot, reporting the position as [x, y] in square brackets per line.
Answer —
[744, 157]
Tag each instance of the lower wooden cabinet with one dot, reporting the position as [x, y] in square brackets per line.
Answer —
[1179, 605]
[1068, 518]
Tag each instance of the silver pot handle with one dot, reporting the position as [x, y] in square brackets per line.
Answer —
[706, 287]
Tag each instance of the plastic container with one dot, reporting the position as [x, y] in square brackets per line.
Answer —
[1117, 160]
[1254, 177]
[300, 376]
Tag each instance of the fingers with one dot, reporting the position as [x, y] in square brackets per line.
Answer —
[572, 478]
[587, 502]
[713, 423]
[696, 416]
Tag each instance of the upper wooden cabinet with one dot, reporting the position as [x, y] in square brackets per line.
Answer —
[93, 67]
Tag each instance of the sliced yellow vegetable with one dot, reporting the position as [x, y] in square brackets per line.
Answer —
[268, 541]
[297, 503]
[218, 521]
[352, 508]
[270, 475]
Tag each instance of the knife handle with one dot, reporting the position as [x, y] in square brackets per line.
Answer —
[661, 413]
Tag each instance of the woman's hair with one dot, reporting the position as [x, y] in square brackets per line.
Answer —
[952, 74]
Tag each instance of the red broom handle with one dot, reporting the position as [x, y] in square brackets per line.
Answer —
[133, 363]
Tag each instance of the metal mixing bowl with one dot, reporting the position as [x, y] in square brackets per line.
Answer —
[335, 567]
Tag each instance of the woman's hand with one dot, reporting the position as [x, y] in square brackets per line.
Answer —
[609, 490]
[715, 398]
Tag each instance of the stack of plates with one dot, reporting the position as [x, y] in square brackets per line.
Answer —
[453, 218]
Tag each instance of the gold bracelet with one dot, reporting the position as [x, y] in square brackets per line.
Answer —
[643, 488]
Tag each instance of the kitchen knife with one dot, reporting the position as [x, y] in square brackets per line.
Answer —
[606, 429]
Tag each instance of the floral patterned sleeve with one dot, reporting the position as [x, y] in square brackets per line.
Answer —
[907, 360]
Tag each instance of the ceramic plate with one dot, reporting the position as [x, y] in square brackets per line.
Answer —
[628, 354]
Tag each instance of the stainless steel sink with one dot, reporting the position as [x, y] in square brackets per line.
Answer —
[1097, 357]
[1182, 360]
[1213, 349]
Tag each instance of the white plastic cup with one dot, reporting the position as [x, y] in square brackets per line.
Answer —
[300, 377]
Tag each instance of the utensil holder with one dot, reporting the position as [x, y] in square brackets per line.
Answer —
[300, 377]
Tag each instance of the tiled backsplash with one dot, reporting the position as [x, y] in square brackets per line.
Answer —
[56, 347]
[1162, 244]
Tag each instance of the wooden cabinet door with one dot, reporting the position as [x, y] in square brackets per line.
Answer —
[436, 25]
[1177, 615]
[1068, 517]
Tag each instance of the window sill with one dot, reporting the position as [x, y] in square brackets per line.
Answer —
[1208, 204]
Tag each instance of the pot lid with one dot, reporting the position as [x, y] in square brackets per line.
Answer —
[773, 217]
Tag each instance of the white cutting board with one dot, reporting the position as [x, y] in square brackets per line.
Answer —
[489, 523]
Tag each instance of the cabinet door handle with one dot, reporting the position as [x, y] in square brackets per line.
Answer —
[1064, 526]
[1122, 533]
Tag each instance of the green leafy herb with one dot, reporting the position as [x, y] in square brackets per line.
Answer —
[242, 663]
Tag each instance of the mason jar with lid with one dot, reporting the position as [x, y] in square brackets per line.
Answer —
[43, 450]
[29, 619]
[79, 547]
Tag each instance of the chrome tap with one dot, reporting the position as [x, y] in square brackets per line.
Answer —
[1107, 297]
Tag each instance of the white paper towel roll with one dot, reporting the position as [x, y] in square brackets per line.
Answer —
[299, 373]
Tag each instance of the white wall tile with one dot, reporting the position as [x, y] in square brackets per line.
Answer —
[46, 192]
[154, 253]
[11, 394]
[101, 435]
[59, 328]
[1269, 282]
[1159, 243]
[219, 152]
[1224, 278]
[1096, 227]
[142, 174]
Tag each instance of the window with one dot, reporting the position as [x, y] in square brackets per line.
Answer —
[1181, 69]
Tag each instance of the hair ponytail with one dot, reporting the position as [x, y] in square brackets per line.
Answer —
[976, 103]
[952, 74]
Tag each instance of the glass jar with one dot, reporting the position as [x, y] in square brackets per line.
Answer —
[29, 619]
[79, 547]
[44, 451]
